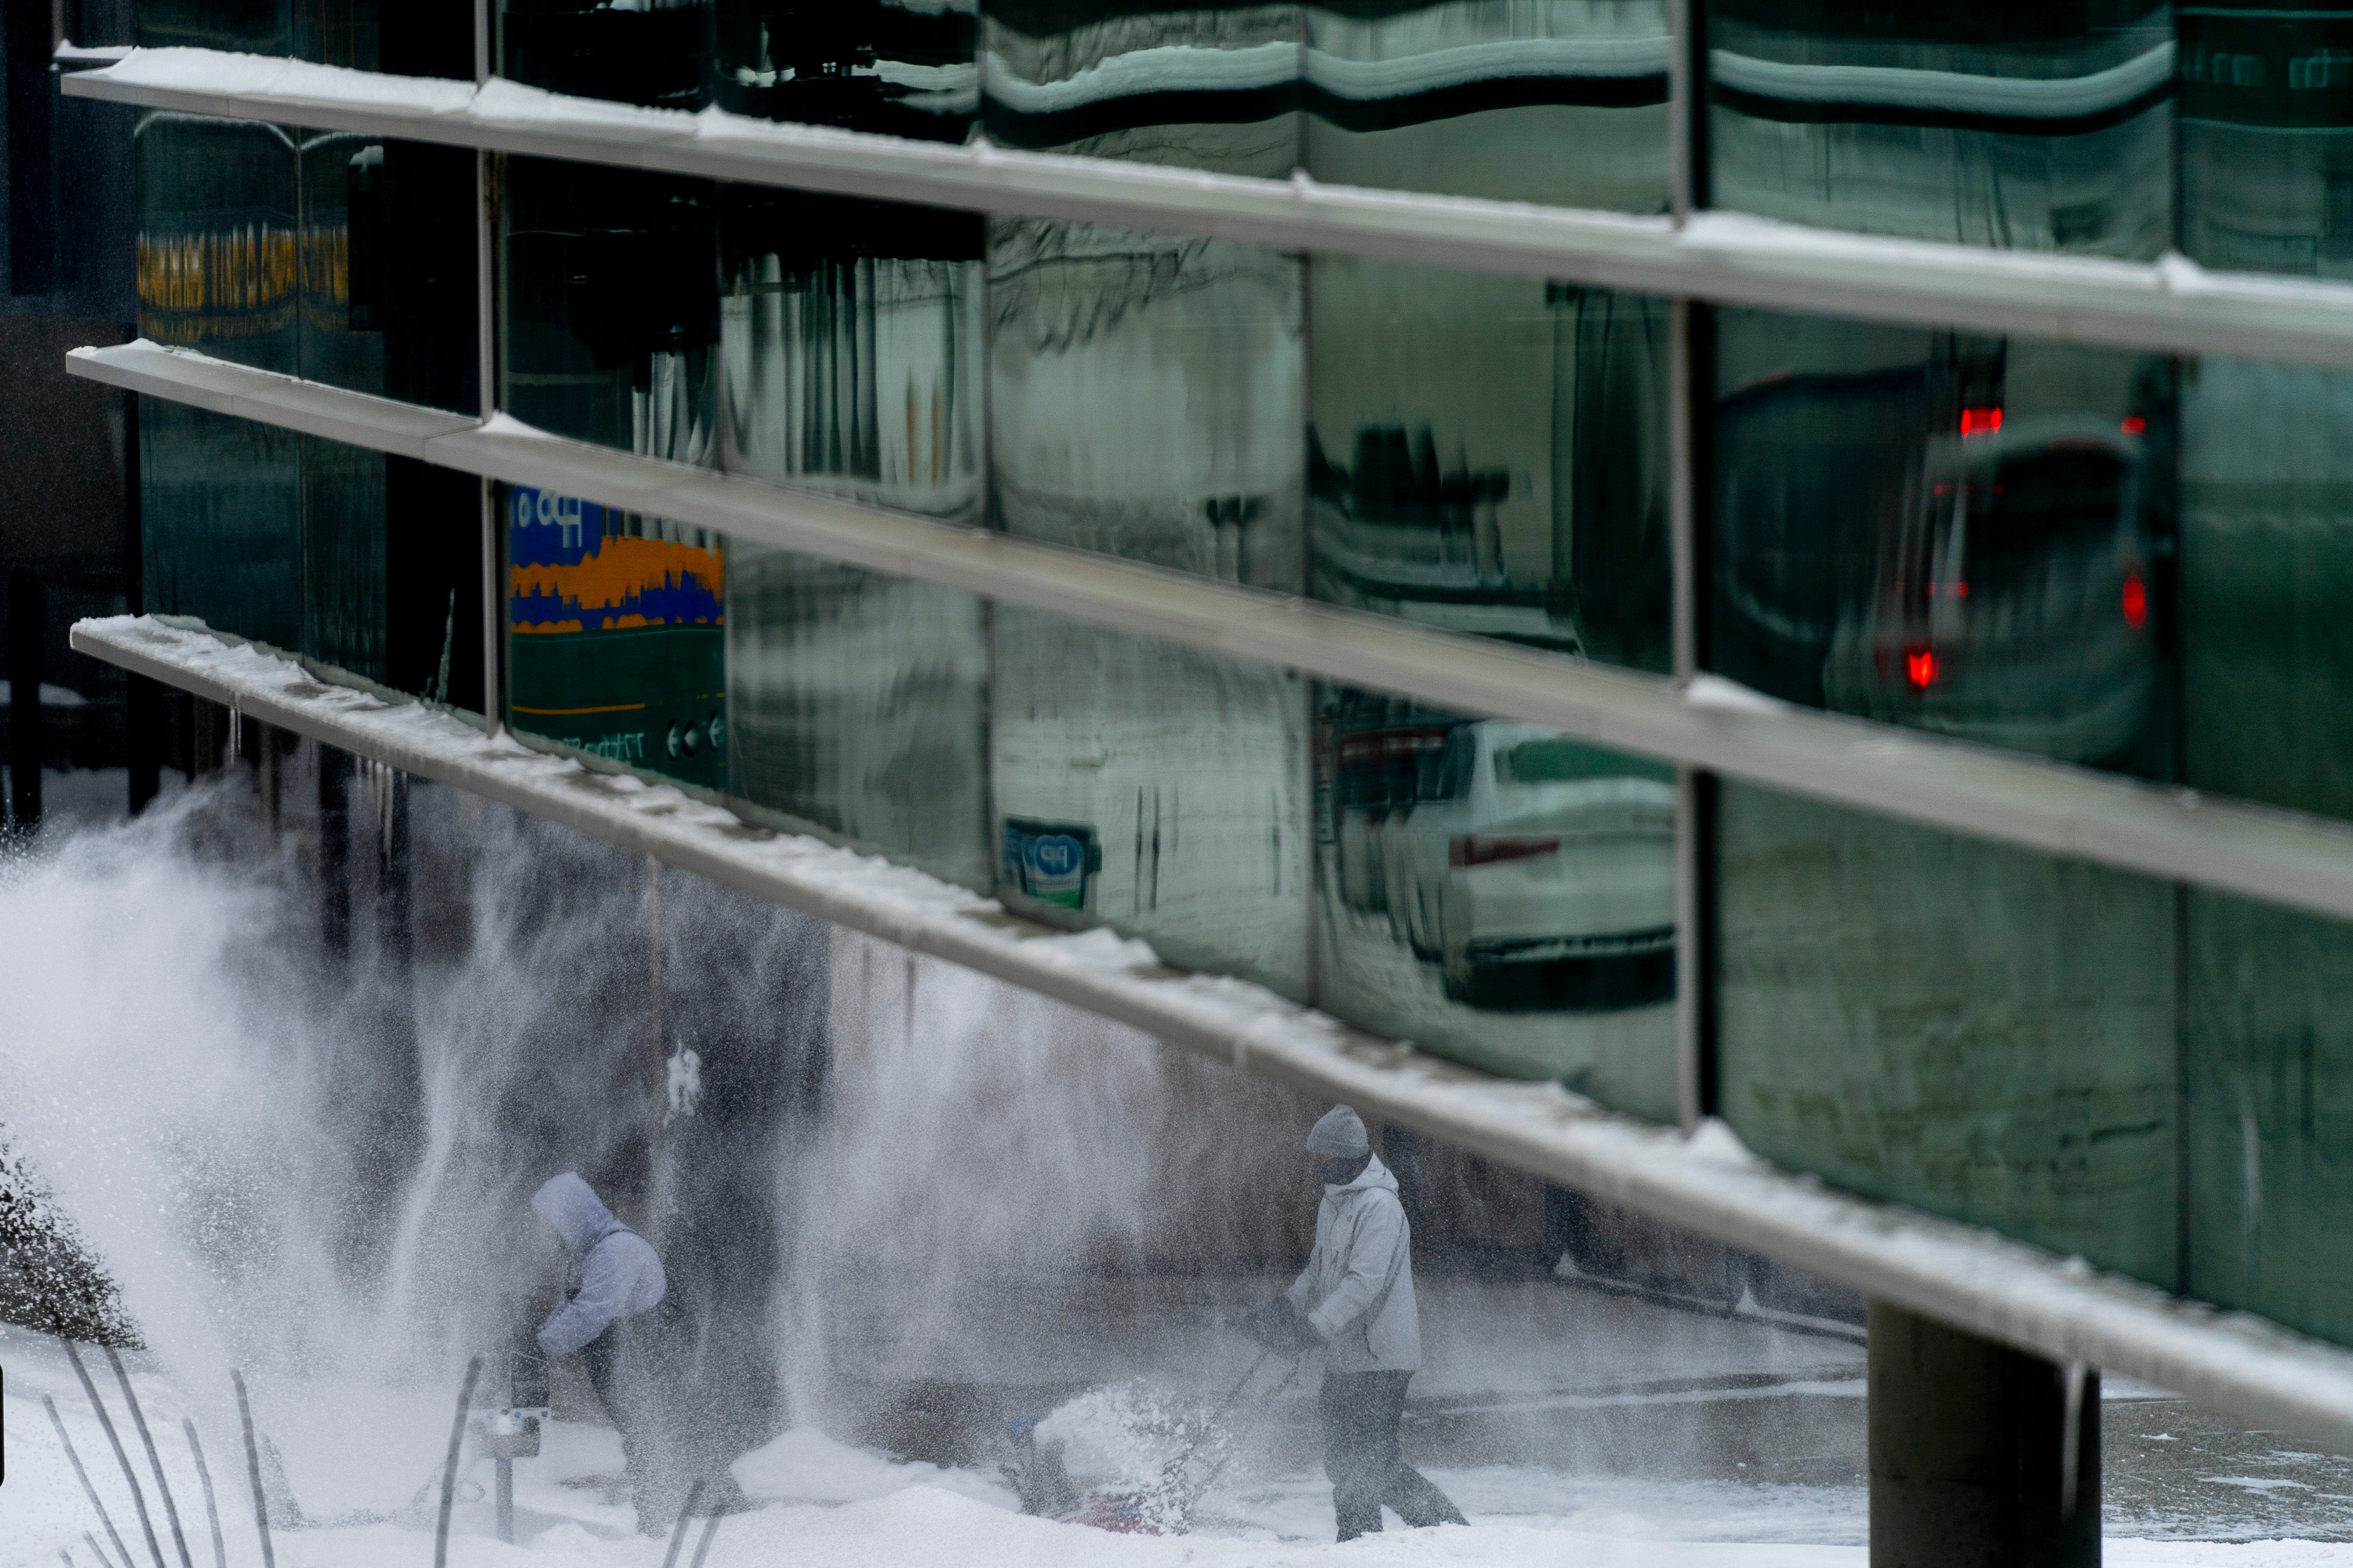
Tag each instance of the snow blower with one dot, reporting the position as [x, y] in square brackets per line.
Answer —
[1162, 1505]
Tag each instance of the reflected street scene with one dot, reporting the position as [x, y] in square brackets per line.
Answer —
[1502, 893]
[1488, 455]
[858, 706]
[1301, 842]
[1105, 815]
[1966, 535]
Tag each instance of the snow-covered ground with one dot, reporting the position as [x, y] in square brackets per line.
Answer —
[362, 1467]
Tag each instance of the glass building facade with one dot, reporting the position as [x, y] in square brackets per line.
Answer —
[2107, 559]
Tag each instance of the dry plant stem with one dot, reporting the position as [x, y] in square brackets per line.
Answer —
[450, 1469]
[678, 1530]
[703, 1547]
[88, 1490]
[97, 1551]
[106, 1422]
[253, 1470]
[205, 1476]
[155, 1459]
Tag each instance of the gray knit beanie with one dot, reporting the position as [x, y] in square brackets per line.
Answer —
[1340, 1135]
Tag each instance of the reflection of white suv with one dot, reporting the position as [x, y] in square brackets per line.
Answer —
[1535, 849]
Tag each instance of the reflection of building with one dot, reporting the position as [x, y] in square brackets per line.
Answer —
[1961, 125]
[2266, 113]
[904, 66]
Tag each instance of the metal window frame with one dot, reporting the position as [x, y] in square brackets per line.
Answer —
[1965, 1274]
[1700, 722]
[2171, 306]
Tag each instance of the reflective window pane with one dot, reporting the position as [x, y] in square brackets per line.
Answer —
[2269, 1104]
[1971, 536]
[858, 705]
[1499, 894]
[904, 69]
[617, 634]
[2150, 1076]
[1145, 397]
[1204, 86]
[612, 308]
[1538, 100]
[850, 349]
[219, 238]
[2032, 127]
[350, 32]
[1154, 788]
[1488, 455]
[1975, 1030]
[653, 53]
[342, 256]
[2266, 107]
[2267, 460]
[245, 27]
[343, 557]
[221, 520]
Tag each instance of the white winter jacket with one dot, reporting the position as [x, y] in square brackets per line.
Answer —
[1357, 1288]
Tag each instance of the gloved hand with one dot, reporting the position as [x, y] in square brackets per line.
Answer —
[1280, 1327]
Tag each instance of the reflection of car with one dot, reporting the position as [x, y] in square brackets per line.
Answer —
[1529, 851]
[1808, 461]
[2012, 600]
[1378, 772]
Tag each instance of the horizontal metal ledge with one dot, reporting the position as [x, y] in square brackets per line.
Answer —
[2171, 306]
[2247, 1367]
[2277, 857]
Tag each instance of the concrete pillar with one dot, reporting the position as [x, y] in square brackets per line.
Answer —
[1972, 1464]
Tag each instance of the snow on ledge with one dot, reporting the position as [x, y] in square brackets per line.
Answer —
[2059, 1308]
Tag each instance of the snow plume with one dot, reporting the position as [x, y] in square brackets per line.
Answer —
[999, 1171]
[312, 1160]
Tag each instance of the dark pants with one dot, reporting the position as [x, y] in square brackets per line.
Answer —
[623, 1366]
[668, 1443]
[1360, 1412]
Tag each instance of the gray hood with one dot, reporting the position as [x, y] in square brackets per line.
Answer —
[1374, 1176]
[579, 1214]
[610, 1270]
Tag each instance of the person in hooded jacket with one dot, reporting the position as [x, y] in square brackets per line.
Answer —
[1355, 1301]
[613, 1282]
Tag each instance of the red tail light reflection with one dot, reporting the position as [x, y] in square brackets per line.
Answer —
[1980, 421]
[1920, 667]
[2136, 601]
[1476, 849]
